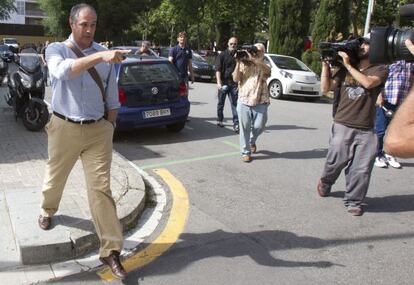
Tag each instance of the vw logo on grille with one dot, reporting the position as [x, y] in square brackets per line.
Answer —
[154, 90]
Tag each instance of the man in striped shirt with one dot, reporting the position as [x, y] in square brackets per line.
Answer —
[395, 89]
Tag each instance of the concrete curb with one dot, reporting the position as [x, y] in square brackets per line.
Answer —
[75, 236]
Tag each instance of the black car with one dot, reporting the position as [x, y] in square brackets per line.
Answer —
[202, 69]
[6, 54]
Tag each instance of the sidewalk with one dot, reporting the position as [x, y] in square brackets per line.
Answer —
[23, 156]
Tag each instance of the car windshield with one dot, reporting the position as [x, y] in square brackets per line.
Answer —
[284, 62]
[147, 73]
[10, 41]
[197, 57]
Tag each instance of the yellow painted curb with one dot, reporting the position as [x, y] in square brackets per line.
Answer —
[170, 234]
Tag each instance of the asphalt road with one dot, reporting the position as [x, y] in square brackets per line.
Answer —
[263, 222]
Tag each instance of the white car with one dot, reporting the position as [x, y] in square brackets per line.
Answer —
[291, 77]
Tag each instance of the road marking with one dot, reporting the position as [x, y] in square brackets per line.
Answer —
[181, 161]
[236, 146]
[170, 234]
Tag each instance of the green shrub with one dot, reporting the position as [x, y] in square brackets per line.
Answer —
[312, 58]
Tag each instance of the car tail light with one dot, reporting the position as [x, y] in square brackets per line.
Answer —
[121, 96]
[183, 89]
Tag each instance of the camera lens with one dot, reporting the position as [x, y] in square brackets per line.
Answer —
[388, 45]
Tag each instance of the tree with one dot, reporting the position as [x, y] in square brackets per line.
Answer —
[6, 7]
[288, 26]
[332, 18]
[114, 17]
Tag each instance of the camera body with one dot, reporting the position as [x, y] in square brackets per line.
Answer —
[329, 51]
[388, 43]
[241, 53]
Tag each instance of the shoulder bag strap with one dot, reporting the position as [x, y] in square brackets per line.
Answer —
[92, 71]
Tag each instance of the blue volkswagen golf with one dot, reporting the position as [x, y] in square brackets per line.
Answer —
[151, 94]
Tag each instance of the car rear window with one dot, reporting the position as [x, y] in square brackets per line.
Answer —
[291, 63]
[146, 73]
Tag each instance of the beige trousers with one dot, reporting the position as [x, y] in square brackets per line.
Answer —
[93, 144]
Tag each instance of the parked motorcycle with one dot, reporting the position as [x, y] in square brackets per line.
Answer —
[27, 91]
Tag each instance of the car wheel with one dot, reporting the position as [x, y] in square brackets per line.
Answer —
[175, 128]
[276, 89]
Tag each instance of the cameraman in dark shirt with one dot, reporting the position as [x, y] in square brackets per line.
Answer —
[225, 65]
[353, 143]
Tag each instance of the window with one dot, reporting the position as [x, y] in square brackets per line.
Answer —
[147, 73]
[20, 7]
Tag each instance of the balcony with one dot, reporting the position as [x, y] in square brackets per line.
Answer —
[35, 14]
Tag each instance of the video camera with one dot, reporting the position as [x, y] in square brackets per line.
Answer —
[329, 51]
[241, 53]
[388, 43]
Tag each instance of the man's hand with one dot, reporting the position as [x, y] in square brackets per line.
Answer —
[409, 44]
[114, 56]
[345, 58]
[380, 100]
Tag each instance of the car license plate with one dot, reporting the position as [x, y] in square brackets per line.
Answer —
[205, 76]
[157, 113]
[306, 88]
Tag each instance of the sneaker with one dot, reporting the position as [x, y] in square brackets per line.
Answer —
[380, 161]
[236, 129]
[392, 161]
[220, 124]
[355, 210]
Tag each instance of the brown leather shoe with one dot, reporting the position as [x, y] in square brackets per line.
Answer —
[115, 264]
[253, 148]
[323, 189]
[45, 223]
[246, 158]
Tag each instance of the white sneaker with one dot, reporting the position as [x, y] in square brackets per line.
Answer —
[392, 161]
[380, 161]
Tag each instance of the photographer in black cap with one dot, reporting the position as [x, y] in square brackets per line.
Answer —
[399, 140]
[353, 142]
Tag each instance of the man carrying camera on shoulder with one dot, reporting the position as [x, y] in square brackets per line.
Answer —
[251, 74]
[353, 143]
[399, 140]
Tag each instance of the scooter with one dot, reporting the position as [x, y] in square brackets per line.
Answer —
[27, 91]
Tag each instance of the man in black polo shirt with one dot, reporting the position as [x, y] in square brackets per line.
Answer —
[181, 56]
[225, 65]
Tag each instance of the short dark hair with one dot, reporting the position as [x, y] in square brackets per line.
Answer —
[74, 12]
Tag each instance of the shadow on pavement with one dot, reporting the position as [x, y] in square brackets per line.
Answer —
[306, 154]
[387, 204]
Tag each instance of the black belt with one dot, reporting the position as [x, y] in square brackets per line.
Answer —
[84, 122]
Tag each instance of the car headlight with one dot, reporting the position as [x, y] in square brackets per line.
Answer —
[25, 83]
[286, 74]
[39, 83]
